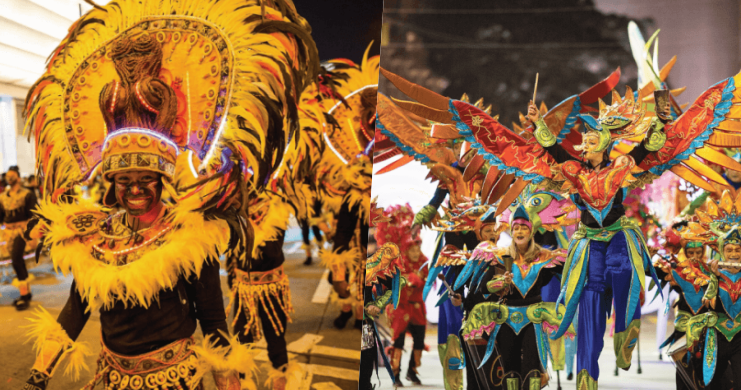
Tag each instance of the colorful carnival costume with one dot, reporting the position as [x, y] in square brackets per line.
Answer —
[712, 335]
[260, 289]
[554, 220]
[382, 285]
[410, 315]
[607, 253]
[689, 275]
[343, 175]
[517, 322]
[168, 99]
[16, 205]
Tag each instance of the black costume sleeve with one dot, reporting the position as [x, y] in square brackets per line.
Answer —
[30, 204]
[438, 197]
[639, 153]
[347, 220]
[559, 153]
[209, 302]
[74, 315]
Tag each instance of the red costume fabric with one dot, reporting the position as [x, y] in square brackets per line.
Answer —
[398, 230]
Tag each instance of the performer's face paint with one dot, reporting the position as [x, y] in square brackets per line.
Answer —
[732, 253]
[589, 145]
[12, 178]
[489, 232]
[521, 234]
[413, 253]
[138, 191]
[734, 176]
[694, 253]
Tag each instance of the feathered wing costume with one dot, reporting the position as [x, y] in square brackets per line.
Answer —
[201, 93]
[550, 158]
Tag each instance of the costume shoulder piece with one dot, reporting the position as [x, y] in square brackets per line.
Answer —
[112, 263]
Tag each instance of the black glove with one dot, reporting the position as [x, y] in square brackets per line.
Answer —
[37, 381]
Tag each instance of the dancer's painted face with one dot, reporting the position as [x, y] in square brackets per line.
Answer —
[413, 253]
[138, 191]
[489, 232]
[694, 253]
[521, 234]
[732, 253]
[12, 178]
[734, 176]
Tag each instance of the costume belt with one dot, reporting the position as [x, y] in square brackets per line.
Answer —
[681, 321]
[264, 288]
[11, 230]
[487, 315]
[255, 278]
[605, 233]
[726, 325]
[170, 367]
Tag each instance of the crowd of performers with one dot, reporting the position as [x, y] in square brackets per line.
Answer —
[203, 126]
[563, 185]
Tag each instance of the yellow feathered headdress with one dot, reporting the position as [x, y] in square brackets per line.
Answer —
[233, 68]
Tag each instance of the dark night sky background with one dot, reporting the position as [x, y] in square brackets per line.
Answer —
[343, 29]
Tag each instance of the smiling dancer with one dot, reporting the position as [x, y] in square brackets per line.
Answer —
[156, 101]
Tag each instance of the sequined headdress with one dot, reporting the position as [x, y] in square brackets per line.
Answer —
[196, 90]
[624, 118]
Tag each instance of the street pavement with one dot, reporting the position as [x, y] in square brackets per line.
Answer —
[331, 357]
[655, 374]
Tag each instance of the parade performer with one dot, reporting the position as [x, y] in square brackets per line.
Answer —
[344, 176]
[515, 355]
[462, 174]
[711, 334]
[161, 99]
[16, 205]
[606, 251]
[260, 289]
[685, 269]
[410, 315]
[439, 148]
[382, 285]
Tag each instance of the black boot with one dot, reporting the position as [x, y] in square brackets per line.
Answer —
[397, 379]
[308, 260]
[412, 369]
[23, 302]
[341, 321]
[412, 377]
[570, 376]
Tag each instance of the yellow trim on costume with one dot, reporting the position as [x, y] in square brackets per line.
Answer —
[253, 288]
[236, 357]
[339, 262]
[274, 219]
[362, 198]
[292, 372]
[49, 338]
[185, 251]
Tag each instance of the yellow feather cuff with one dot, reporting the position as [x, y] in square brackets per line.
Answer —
[236, 357]
[48, 336]
[292, 372]
[337, 260]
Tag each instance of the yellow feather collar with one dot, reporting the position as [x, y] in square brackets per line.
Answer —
[187, 247]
